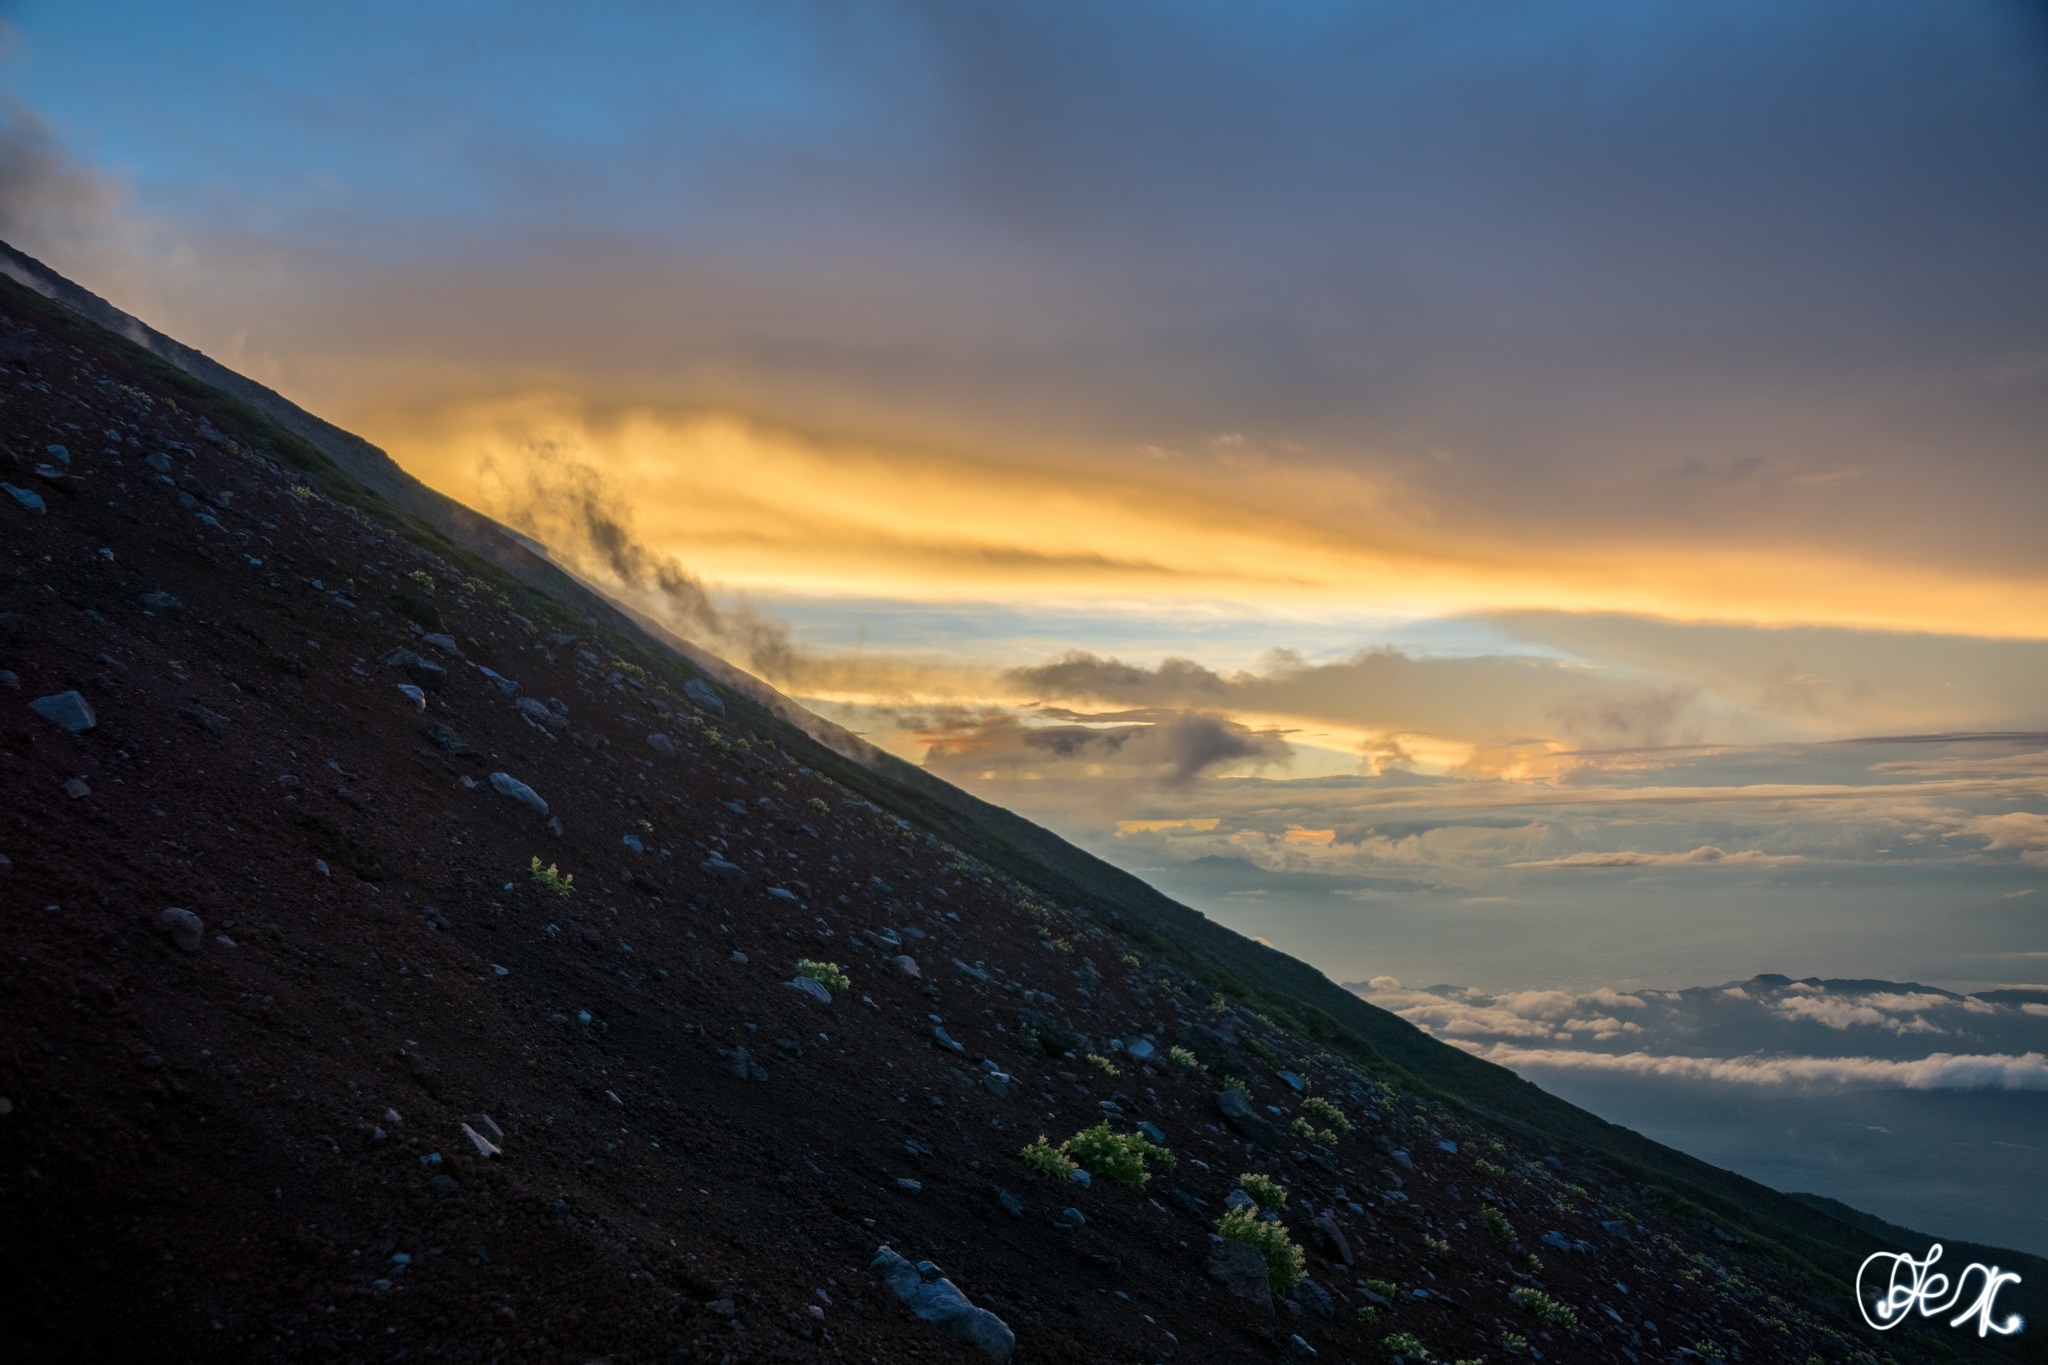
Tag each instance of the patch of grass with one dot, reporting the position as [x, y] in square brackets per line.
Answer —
[301, 493]
[1233, 1083]
[1259, 1050]
[551, 878]
[817, 804]
[1130, 961]
[1048, 1160]
[1514, 1343]
[1285, 1261]
[826, 974]
[1386, 1289]
[1062, 946]
[1406, 1344]
[1485, 1167]
[1437, 1246]
[421, 579]
[1543, 1308]
[1103, 1064]
[1368, 1314]
[1710, 1350]
[1116, 1156]
[1330, 1115]
[1181, 1057]
[1270, 1193]
[1535, 1264]
[1497, 1223]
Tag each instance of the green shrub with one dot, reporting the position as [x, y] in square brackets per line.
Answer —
[1535, 1264]
[421, 579]
[818, 804]
[1485, 1167]
[826, 974]
[1302, 1128]
[1330, 1115]
[1368, 1314]
[1258, 1049]
[1270, 1193]
[1233, 1083]
[1386, 1289]
[1116, 1156]
[1181, 1057]
[1103, 1064]
[1284, 1260]
[1130, 961]
[551, 878]
[1542, 1307]
[1709, 1349]
[1497, 1223]
[1437, 1246]
[1048, 1160]
[1407, 1344]
[1514, 1343]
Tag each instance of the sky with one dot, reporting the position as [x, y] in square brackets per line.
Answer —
[1541, 497]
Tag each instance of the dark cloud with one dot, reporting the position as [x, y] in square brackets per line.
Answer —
[1171, 752]
[50, 205]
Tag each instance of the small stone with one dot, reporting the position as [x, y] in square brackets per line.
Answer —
[425, 672]
[6, 1106]
[210, 721]
[6, 864]
[30, 500]
[445, 643]
[632, 841]
[443, 1185]
[941, 1038]
[1074, 1217]
[730, 873]
[185, 928]
[484, 1123]
[815, 989]
[159, 600]
[75, 788]
[498, 680]
[699, 691]
[224, 941]
[1300, 1349]
[1241, 1270]
[415, 696]
[320, 866]
[507, 785]
[448, 742]
[745, 1067]
[484, 1146]
[663, 745]
[67, 709]
[907, 965]
[1009, 1203]
[909, 1186]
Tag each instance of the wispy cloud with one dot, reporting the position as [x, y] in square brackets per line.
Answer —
[1941, 1071]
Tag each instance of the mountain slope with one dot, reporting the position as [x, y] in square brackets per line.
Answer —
[253, 1146]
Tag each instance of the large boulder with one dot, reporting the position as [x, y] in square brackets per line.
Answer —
[1211, 1047]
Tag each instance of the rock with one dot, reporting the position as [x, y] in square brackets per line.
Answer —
[445, 643]
[1009, 1203]
[1403, 1160]
[30, 500]
[997, 1083]
[1300, 1349]
[209, 721]
[1081, 1176]
[907, 965]
[159, 600]
[417, 698]
[1074, 1217]
[1448, 1146]
[909, 1186]
[158, 461]
[484, 1146]
[1241, 1270]
[1238, 1199]
[814, 989]
[1614, 1227]
[485, 1124]
[1140, 1050]
[425, 672]
[1293, 1081]
[1053, 1037]
[584, 739]
[507, 785]
[939, 1301]
[448, 742]
[1314, 1300]
[1247, 1122]
[75, 788]
[663, 745]
[67, 709]
[443, 1185]
[1330, 1240]
[185, 928]
[1211, 1047]
[727, 873]
[699, 691]
[632, 841]
[1152, 1131]
[941, 1038]
[539, 716]
[498, 680]
[1188, 1203]
[782, 893]
[6, 864]
[745, 1067]
[1376, 1300]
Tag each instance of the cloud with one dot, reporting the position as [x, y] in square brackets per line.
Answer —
[50, 205]
[1942, 1071]
[1170, 751]
[1704, 856]
[2022, 832]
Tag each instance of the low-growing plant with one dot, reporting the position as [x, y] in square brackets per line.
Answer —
[1048, 1160]
[1103, 1064]
[1497, 1223]
[1708, 1349]
[817, 803]
[1270, 1193]
[1233, 1083]
[1514, 1343]
[826, 974]
[1330, 1115]
[421, 579]
[1542, 1307]
[1116, 1156]
[301, 493]
[1368, 1314]
[1302, 1128]
[551, 878]
[1180, 1056]
[1285, 1261]
[1061, 945]
[1386, 1289]
[1406, 1344]
[644, 825]
[1258, 1049]
[1485, 1167]
[1130, 961]
[1437, 1246]
[1535, 1264]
